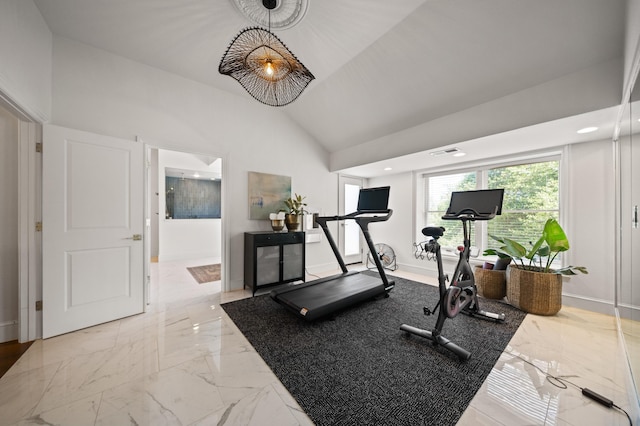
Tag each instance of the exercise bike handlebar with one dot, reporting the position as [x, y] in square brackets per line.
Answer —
[470, 214]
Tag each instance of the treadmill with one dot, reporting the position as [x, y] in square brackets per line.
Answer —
[322, 297]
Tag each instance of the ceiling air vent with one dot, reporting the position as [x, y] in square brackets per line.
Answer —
[444, 152]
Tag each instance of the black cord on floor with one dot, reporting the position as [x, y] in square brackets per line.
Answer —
[309, 273]
[561, 382]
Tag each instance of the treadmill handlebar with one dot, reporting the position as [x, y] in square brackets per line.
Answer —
[360, 215]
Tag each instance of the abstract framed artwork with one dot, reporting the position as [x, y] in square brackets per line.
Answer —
[267, 194]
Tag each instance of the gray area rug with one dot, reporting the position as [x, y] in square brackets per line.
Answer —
[359, 368]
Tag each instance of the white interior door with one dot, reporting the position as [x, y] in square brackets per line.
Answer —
[349, 238]
[92, 226]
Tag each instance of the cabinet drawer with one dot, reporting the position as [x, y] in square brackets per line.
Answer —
[278, 238]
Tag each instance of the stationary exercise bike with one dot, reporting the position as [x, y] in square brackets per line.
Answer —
[462, 294]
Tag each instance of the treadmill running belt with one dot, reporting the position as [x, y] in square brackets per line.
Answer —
[322, 297]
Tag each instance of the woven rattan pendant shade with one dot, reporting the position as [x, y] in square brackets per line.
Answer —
[247, 59]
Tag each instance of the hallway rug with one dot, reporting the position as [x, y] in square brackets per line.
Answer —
[206, 273]
[360, 368]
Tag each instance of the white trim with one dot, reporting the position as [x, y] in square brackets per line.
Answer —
[9, 331]
[23, 231]
[564, 197]
[146, 228]
[226, 213]
[589, 303]
[29, 261]
[343, 180]
[7, 95]
[627, 90]
[505, 161]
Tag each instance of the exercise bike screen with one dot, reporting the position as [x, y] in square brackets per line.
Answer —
[483, 201]
[370, 199]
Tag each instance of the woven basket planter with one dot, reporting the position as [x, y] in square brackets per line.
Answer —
[491, 284]
[534, 292]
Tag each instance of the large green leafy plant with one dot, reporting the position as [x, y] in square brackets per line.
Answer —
[541, 254]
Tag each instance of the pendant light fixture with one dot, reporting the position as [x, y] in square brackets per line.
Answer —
[264, 66]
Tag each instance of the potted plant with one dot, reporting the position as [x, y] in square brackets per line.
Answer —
[296, 206]
[491, 278]
[532, 284]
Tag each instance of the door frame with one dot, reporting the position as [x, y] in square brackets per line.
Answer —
[29, 212]
[30, 240]
[224, 249]
[342, 180]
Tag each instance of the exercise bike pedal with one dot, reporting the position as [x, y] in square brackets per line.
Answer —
[426, 311]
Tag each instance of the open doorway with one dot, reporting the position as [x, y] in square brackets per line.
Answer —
[349, 239]
[185, 212]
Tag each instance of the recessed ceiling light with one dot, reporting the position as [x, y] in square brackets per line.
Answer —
[587, 130]
[460, 154]
[196, 175]
[386, 169]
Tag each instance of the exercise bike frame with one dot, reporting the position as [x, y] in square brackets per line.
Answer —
[462, 294]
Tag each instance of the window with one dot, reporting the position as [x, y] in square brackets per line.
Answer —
[531, 197]
[439, 189]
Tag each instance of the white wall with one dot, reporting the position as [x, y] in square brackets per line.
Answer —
[25, 49]
[107, 94]
[588, 220]
[9, 128]
[590, 224]
[185, 238]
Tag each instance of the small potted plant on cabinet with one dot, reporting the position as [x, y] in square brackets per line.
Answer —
[532, 285]
[296, 206]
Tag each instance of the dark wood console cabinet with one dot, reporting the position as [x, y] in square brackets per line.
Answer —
[272, 258]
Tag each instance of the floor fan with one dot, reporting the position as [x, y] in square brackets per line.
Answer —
[386, 255]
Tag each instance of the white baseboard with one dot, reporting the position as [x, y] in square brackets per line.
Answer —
[421, 270]
[235, 285]
[588, 304]
[8, 331]
[628, 311]
[323, 268]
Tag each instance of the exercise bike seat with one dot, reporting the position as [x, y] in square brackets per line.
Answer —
[433, 231]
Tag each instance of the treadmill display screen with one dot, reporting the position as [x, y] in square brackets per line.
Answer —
[371, 199]
[483, 201]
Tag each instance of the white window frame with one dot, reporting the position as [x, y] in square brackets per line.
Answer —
[420, 192]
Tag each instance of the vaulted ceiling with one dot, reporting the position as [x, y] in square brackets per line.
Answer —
[381, 67]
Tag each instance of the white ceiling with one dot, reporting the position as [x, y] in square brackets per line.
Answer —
[381, 66]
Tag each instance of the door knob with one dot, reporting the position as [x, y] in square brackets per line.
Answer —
[136, 237]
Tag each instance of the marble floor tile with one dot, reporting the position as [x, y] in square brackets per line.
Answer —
[184, 362]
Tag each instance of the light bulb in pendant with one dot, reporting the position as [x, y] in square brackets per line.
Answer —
[268, 68]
